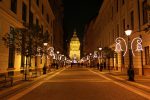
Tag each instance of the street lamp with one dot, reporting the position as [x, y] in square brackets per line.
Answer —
[57, 52]
[100, 55]
[130, 50]
[45, 53]
[130, 66]
[45, 44]
[90, 59]
[100, 48]
[57, 58]
[45, 47]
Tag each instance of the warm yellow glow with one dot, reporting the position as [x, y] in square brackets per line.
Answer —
[128, 32]
[75, 47]
[57, 52]
[45, 44]
[100, 48]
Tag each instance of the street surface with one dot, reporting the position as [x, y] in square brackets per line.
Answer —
[79, 83]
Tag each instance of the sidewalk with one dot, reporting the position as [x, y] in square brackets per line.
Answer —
[141, 82]
[22, 84]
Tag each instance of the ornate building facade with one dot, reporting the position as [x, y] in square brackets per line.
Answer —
[58, 10]
[13, 14]
[74, 50]
[112, 21]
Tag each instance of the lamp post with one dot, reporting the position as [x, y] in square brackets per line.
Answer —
[45, 46]
[100, 55]
[100, 58]
[130, 66]
[90, 60]
[130, 51]
[57, 58]
[45, 53]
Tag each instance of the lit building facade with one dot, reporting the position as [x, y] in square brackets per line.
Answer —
[88, 39]
[13, 13]
[58, 10]
[112, 21]
[74, 50]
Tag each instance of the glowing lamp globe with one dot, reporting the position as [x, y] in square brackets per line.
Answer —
[128, 32]
[90, 54]
[45, 44]
[100, 49]
[57, 52]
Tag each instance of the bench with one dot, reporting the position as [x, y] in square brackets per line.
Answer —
[4, 79]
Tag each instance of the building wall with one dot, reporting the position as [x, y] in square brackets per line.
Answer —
[57, 7]
[89, 38]
[9, 18]
[111, 23]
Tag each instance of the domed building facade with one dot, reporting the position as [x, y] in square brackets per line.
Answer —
[74, 52]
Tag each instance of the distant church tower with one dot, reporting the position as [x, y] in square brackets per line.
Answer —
[74, 53]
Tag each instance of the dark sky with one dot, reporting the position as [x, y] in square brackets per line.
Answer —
[77, 13]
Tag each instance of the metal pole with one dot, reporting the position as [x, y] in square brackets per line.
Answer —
[45, 63]
[130, 67]
[45, 59]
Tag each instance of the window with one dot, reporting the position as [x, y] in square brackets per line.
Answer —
[122, 2]
[112, 13]
[47, 17]
[51, 39]
[31, 18]
[14, 6]
[37, 22]
[117, 30]
[123, 25]
[147, 55]
[132, 20]
[42, 28]
[11, 49]
[42, 9]
[113, 35]
[117, 5]
[37, 2]
[24, 12]
[145, 15]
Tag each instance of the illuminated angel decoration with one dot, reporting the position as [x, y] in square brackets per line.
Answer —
[118, 45]
[39, 51]
[138, 46]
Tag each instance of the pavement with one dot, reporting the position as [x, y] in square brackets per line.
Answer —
[20, 84]
[80, 84]
[141, 81]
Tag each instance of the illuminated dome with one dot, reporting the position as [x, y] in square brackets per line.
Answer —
[74, 38]
[74, 47]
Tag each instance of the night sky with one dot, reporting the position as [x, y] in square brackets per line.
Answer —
[77, 14]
